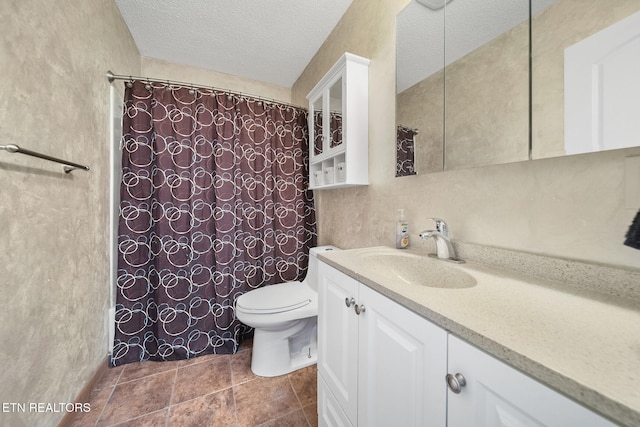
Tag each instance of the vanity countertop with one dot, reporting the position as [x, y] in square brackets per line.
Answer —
[584, 344]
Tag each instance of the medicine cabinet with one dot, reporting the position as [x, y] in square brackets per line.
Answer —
[338, 126]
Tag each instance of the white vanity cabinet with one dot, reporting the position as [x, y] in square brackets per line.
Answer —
[382, 367]
[495, 394]
[338, 125]
[388, 366]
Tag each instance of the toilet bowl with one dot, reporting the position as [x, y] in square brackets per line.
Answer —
[284, 317]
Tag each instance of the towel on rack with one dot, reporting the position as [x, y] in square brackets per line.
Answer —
[633, 235]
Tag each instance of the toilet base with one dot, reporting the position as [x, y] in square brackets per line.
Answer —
[281, 352]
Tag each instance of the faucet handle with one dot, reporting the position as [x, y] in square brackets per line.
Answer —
[441, 226]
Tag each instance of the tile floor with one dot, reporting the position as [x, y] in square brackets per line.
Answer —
[213, 390]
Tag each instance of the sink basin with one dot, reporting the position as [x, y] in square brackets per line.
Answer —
[414, 269]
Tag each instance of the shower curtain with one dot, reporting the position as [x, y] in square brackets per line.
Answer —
[214, 203]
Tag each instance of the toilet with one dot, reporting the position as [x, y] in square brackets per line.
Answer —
[285, 318]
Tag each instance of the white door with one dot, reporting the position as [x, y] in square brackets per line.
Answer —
[497, 395]
[602, 89]
[338, 337]
[403, 360]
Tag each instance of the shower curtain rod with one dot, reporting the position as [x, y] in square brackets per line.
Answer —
[68, 166]
[111, 77]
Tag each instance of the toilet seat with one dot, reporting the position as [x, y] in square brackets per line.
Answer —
[276, 298]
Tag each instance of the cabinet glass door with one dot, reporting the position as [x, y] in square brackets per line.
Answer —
[335, 114]
[316, 129]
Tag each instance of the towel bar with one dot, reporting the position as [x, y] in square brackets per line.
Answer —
[69, 166]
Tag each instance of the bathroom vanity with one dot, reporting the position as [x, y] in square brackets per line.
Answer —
[408, 340]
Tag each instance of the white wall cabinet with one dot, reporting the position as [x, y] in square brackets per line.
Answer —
[388, 366]
[381, 367]
[338, 125]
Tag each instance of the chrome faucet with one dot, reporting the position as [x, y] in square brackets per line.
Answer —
[444, 248]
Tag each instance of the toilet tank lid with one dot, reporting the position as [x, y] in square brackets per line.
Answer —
[316, 250]
[276, 298]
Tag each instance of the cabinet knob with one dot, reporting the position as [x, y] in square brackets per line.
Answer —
[349, 301]
[359, 309]
[456, 382]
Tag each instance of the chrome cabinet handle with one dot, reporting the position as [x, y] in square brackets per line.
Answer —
[456, 382]
[359, 309]
[349, 301]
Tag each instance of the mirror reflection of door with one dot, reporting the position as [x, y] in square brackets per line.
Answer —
[585, 87]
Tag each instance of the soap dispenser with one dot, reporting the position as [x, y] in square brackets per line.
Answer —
[402, 231]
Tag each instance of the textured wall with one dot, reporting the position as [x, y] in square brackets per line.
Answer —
[53, 241]
[569, 206]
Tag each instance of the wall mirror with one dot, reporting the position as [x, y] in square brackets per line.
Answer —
[467, 91]
[486, 82]
[585, 76]
[419, 89]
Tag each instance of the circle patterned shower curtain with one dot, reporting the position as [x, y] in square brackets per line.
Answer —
[214, 203]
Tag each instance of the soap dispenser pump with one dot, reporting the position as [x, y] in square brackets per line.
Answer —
[402, 231]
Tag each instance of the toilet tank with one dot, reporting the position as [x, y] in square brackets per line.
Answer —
[312, 271]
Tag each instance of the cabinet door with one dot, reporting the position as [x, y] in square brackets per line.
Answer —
[316, 127]
[330, 413]
[497, 395]
[334, 115]
[403, 358]
[338, 337]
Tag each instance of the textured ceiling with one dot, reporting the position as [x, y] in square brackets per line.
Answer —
[469, 24]
[265, 40]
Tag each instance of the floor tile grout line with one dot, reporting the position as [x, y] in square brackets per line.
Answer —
[235, 405]
[113, 389]
[136, 418]
[119, 376]
[199, 397]
[148, 376]
[244, 382]
[282, 415]
[173, 404]
[131, 365]
[299, 401]
[173, 390]
[147, 413]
